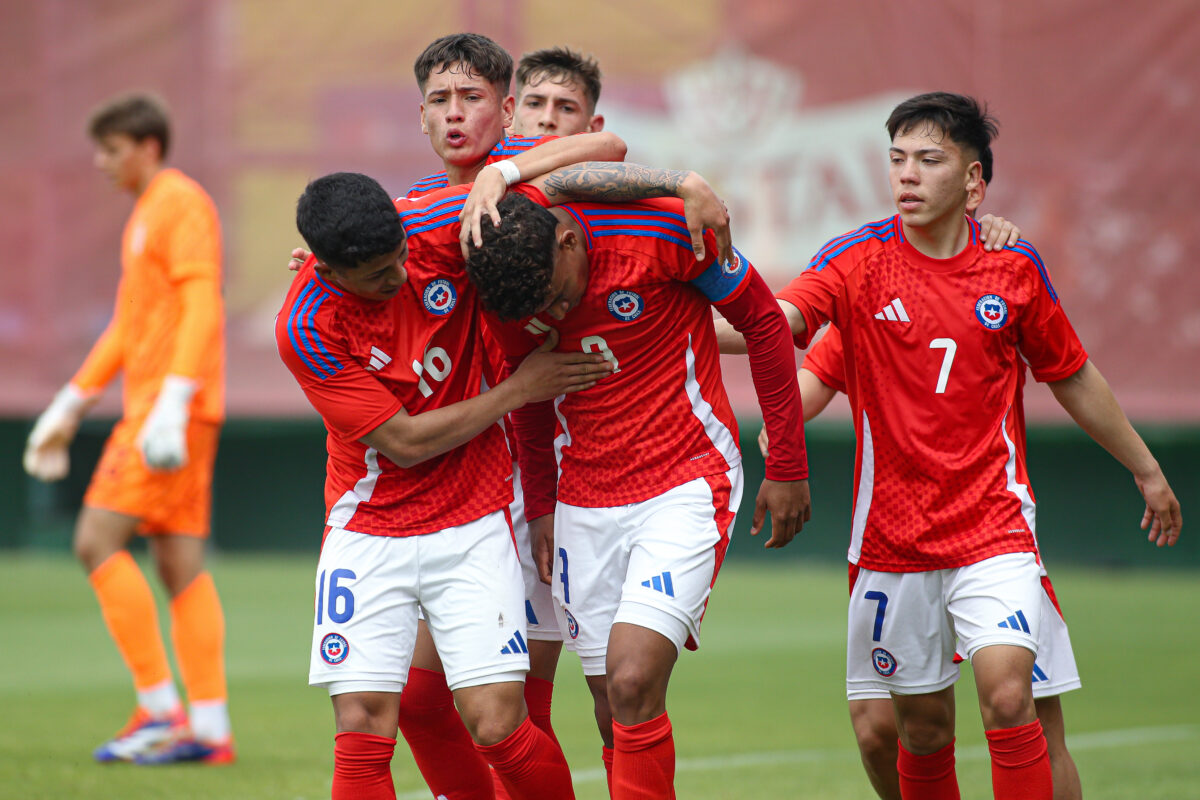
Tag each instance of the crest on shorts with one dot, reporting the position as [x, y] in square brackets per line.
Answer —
[884, 662]
[439, 297]
[334, 648]
[625, 305]
[991, 311]
[572, 625]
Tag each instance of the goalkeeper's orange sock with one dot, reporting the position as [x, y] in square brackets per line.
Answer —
[198, 632]
[127, 606]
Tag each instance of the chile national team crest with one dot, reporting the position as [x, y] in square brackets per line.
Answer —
[334, 648]
[625, 305]
[885, 662]
[572, 625]
[440, 297]
[991, 311]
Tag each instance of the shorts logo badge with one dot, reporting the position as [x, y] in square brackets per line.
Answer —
[625, 305]
[572, 625]
[991, 311]
[885, 662]
[440, 297]
[334, 648]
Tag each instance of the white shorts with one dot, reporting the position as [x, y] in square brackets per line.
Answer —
[467, 581]
[903, 626]
[1054, 672]
[540, 619]
[651, 564]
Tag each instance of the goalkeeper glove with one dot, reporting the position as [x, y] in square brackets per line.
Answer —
[47, 456]
[163, 437]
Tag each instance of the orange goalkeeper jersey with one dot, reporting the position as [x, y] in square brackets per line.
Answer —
[169, 318]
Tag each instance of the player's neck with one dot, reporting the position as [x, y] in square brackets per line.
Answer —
[940, 238]
[457, 175]
[145, 178]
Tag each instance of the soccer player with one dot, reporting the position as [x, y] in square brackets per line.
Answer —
[557, 92]
[936, 335]
[464, 80]
[383, 335]
[649, 475]
[154, 478]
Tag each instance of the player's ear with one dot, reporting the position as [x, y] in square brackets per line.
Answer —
[424, 127]
[597, 124]
[506, 110]
[567, 240]
[974, 176]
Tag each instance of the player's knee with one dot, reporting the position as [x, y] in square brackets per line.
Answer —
[1007, 705]
[876, 745]
[492, 726]
[923, 735]
[633, 690]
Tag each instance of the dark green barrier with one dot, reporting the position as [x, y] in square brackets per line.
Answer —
[270, 481]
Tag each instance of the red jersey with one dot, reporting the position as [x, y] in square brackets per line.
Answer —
[662, 417]
[361, 361]
[935, 352]
[505, 149]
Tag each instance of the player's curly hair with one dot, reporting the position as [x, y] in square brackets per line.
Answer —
[562, 64]
[962, 118]
[477, 53]
[138, 116]
[514, 268]
[348, 219]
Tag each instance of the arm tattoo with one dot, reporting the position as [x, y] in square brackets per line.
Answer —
[612, 181]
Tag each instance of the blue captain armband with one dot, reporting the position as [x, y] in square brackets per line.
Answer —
[719, 281]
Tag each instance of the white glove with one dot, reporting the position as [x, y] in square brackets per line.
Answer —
[47, 456]
[163, 437]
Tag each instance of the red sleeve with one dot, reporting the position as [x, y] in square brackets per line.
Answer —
[753, 312]
[827, 360]
[1044, 334]
[350, 400]
[814, 292]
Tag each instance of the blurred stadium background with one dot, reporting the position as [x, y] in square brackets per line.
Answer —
[780, 105]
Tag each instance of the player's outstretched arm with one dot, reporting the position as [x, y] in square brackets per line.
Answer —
[493, 181]
[408, 440]
[815, 395]
[1088, 399]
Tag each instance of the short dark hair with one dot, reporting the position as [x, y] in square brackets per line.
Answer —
[348, 219]
[562, 65]
[140, 116]
[478, 54]
[514, 268]
[962, 118]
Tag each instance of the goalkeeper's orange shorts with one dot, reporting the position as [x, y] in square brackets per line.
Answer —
[178, 501]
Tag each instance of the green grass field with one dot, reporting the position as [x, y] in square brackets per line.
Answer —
[759, 711]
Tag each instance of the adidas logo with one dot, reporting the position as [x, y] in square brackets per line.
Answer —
[1039, 675]
[894, 312]
[1016, 622]
[515, 645]
[661, 583]
[537, 327]
[379, 360]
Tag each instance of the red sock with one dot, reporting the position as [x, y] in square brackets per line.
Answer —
[440, 744]
[362, 767]
[644, 760]
[1020, 763]
[606, 755]
[530, 765]
[538, 693]
[928, 777]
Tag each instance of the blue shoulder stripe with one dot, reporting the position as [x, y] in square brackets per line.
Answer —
[303, 335]
[843, 243]
[880, 226]
[972, 231]
[423, 214]
[664, 224]
[587, 231]
[1026, 249]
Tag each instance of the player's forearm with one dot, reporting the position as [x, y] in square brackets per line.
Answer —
[729, 341]
[568, 150]
[409, 439]
[102, 364]
[815, 395]
[772, 367]
[610, 182]
[1088, 399]
[533, 427]
[201, 316]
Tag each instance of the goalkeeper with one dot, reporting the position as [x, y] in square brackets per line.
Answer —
[155, 475]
